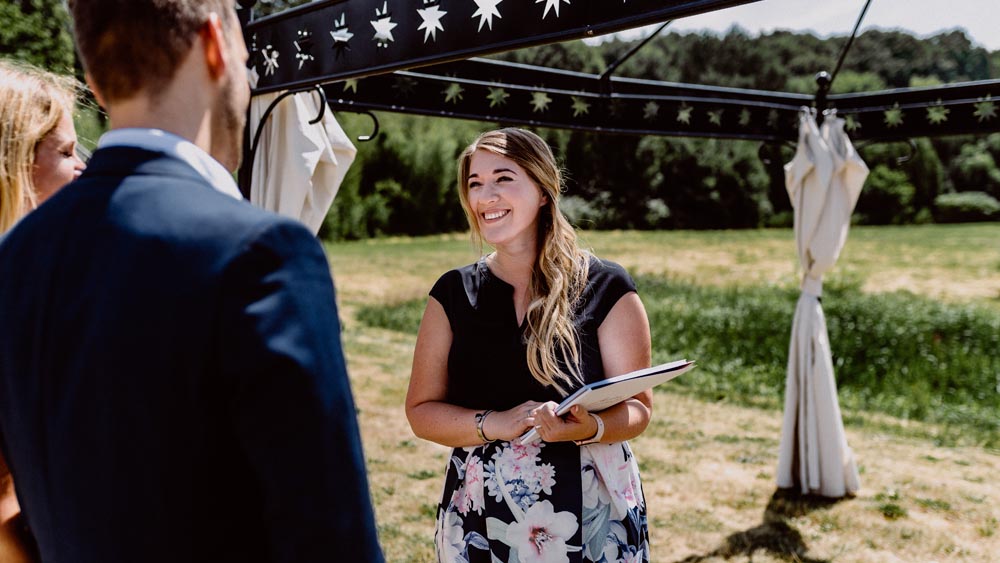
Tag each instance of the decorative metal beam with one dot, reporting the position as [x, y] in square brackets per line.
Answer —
[511, 93]
[332, 40]
[359, 41]
[952, 109]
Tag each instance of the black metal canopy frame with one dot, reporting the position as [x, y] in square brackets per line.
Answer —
[420, 57]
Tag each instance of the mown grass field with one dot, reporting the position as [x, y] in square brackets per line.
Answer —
[900, 297]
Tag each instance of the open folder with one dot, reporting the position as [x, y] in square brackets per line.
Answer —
[600, 395]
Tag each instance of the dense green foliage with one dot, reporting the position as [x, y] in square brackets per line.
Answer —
[965, 206]
[888, 197]
[37, 31]
[894, 353]
[402, 186]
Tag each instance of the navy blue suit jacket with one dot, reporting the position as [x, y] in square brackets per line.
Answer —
[172, 383]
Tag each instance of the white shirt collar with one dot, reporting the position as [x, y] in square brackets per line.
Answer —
[178, 147]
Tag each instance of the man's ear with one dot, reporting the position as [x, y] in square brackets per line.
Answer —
[95, 90]
[213, 42]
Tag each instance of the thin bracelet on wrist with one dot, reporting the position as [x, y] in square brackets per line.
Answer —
[480, 421]
[597, 435]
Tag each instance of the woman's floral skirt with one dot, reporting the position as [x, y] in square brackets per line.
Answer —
[505, 502]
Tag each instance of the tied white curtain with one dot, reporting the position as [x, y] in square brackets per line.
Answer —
[824, 180]
[299, 166]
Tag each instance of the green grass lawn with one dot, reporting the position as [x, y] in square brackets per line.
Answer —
[945, 262]
[914, 318]
[900, 353]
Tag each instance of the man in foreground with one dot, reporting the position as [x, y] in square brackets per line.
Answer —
[172, 385]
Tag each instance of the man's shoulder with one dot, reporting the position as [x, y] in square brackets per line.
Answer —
[134, 196]
[203, 217]
[167, 189]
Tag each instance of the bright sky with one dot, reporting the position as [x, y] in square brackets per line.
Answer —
[979, 18]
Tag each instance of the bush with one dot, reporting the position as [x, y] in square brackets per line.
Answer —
[657, 212]
[887, 197]
[975, 168]
[963, 207]
[584, 214]
[923, 217]
[781, 220]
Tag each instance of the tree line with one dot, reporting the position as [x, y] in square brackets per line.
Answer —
[403, 182]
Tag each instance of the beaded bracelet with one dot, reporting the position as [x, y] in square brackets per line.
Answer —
[480, 420]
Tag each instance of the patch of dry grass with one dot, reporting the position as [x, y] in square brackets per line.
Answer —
[708, 468]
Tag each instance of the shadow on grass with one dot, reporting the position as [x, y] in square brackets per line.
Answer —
[774, 535]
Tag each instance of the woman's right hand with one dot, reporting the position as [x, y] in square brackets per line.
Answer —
[510, 424]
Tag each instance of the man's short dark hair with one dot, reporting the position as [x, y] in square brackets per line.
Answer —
[131, 46]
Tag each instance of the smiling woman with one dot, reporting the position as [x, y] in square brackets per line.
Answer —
[503, 198]
[501, 342]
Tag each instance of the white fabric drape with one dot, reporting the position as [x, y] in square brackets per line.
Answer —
[299, 166]
[824, 180]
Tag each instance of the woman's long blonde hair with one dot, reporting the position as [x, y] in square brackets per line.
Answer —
[559, 275]
[32, 102]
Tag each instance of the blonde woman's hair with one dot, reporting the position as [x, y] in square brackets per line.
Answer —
[32, 102]
[559, 275]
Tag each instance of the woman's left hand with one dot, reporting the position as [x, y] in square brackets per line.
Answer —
[575, 425]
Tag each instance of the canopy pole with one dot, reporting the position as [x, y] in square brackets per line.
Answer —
[605, 78]
[246, 15]
[824, 81]
[850, 40]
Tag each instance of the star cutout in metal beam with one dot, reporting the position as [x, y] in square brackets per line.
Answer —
[303, 46]
[270, 59]
[540, 101]
[937, 113]
[580, 107]
[252, 59]
[404, 85]
[773, 119]
[351, 84]
[852, 123]
[985, 109]
[893, 116]
[616, 108]
[431, 17]
[341, 35]
[715, 117]
[684, 114]
[650, 110]
[549, 4]
[383, 25]
[487, 9]
[744, 117]
[497, 97]
[453, 93]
